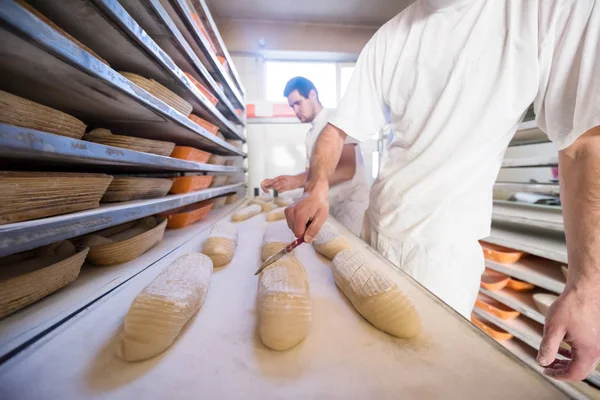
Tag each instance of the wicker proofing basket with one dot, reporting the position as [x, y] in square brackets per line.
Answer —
[28, 114]
[127, 250]
[31, 195]
[133, 188]
[105, 137]
[160, 92]
[21, 291]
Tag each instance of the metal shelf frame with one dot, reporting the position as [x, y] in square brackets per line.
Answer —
[533, 270]
[126, 47]
[521, 302]
[528, 133]
[543, 243]
[209, 23]
[17, 144]
[42, 65]
[530, 162]
[542, 188]
[27, 235]
[181, 13]
[540, 216]
[156, 22]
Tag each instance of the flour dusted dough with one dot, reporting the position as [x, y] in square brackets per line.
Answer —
[221, 243]
[246, 213]
[284, 201]
[276, 215]
[329, 242]
[283, 301]
[276, 237]
[374, 295]
[160, 311]
[266, 207]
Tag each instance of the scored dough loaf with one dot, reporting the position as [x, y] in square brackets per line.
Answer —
[276, 237]
[329, 242]
[161, 310]
[221, 243]
[374, 295]
[283, 302]
[263, 198]
[246, 213]
[276, 215]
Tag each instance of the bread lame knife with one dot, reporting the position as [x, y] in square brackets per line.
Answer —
[286, 250]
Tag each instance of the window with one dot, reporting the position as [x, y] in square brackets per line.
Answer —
[322, 74]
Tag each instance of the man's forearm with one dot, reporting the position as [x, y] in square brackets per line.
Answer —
[580, 194]
[326, 155]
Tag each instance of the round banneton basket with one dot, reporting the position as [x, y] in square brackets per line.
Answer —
[105, 136]
[160, 92]
[31, 195]
[127, 250]
[23, 290]
[133, 188]
[28, 114]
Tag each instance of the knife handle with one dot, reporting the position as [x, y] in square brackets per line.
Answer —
[290, 247]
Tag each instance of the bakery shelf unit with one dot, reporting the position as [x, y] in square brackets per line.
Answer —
[127, 46]
[538, 231]
[42, 65]
[68, 56]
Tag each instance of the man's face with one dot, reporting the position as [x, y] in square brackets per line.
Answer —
[302, 106]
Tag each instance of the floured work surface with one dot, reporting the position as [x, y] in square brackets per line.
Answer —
[219, 355]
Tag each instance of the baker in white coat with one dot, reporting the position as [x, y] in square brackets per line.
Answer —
[349, 194]
[454, 79]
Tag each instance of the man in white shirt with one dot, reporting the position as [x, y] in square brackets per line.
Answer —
[454, 79]
[349, 194]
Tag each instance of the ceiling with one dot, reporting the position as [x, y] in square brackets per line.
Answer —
[353, 12]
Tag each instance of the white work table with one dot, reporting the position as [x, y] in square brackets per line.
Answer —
[220, 356]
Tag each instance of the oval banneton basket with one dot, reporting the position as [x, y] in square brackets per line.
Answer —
[23, 290]
[219, 202]
[219, 180]
[106, 137]
[28, 114]
[127, 250]
[31, 195]
[134, 188]
[160, 92]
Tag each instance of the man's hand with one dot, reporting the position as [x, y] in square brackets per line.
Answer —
[312, 207]
[574, 317]
[266, 185]
[285, 183]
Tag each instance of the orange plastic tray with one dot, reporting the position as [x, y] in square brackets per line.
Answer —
[187, 215]
[186, 184]
[519, 286]
[205, 124]
[211, 97]
[496, 308]
[190, 154]
[491, 330]
[492, 280]
[500, 254]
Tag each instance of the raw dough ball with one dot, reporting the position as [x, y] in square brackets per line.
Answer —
[161, 310]
[374, 295]
[221, 243]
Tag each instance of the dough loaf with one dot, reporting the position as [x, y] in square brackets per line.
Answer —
[161, 310]
[246, 213]
[284, 201]
[374, 295]
[276, 215]
[284, 304]
[266, 207]
[277, 236]
[221, 243]
[329, 242]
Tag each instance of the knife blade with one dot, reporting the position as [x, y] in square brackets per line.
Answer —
[286, 250]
